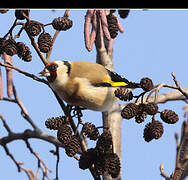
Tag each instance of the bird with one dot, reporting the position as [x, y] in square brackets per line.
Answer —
[86, 84]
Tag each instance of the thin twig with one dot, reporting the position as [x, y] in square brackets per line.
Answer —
[57, 162]
[35, 45]
[12, 157]
[29, 173]
[50, 51]
[45, 170]
[163, 174]
[25, 73]
[5, 124]
[178, 86]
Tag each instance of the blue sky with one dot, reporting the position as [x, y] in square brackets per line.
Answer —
[154, 44]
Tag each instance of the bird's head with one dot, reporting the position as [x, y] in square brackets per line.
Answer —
[54, 70]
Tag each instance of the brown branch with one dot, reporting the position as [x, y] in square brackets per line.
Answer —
[17, 163]
[30, 134]
[35, 45]
[50, 51]
[25, 73]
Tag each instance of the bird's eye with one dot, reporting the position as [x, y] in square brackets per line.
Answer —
[52, 67]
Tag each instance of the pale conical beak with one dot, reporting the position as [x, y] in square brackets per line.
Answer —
[44, 73]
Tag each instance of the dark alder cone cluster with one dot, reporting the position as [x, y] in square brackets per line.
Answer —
[90, 131]
[151, 108]
[11, 47]
[62, 23]
[44, 42]
[23, 52]
[64, 134]
[123, 13]
[153, 130]
[112, 25]
[55, 123]
[129, 111]
[169, 116]
[126, 95]
[72, 147]
[123, 94]
[141, 114]
[102, 157]
[22, 14]
[33, 28]
[146, 84]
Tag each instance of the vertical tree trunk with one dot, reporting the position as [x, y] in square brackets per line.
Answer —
[111, 118]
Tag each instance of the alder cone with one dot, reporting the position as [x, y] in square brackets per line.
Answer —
[72, 147]
[45, 42]
[129, 111]
[169, 116]
[146, 84]
[62, 23]
[23, 52]
[10, 47]
[33, 28]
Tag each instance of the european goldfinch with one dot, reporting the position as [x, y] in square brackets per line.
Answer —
[84, 83]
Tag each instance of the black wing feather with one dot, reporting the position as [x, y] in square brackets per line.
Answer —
[117, 78]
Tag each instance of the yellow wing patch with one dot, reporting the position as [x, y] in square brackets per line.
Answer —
[116, 84]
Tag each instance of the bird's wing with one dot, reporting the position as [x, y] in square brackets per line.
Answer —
[100, 76]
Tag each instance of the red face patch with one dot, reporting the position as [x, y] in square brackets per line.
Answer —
[52, 68]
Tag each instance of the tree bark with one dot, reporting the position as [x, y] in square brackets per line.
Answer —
[111, 118]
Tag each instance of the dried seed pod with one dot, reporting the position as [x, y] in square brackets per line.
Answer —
[33, 28]
[72, 147]
[22, 14]
[153, 130]
[64, 134]
[112, 25]
[123, 13]
[123, 94]
[8, 59]
[104, 143]
[45, 42]
[10, 47]
[169, 116]
[87, 158]
[62, 23]
[23, 52]
[112, 165]
[129, 111]
[146, 84]
[151, 108]
[55, 123]
[90, 131]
